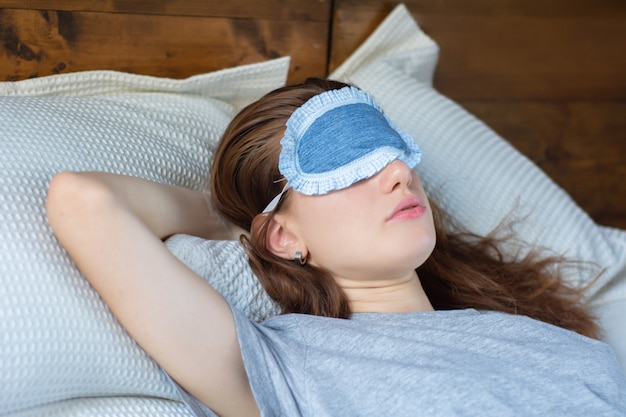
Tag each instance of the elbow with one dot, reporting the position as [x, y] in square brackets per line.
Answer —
[72, 198]
[59, 194]
[62, 192]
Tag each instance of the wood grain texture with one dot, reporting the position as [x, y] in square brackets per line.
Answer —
[525, 49]
[311, 10]
[548, 75]
[40, 42]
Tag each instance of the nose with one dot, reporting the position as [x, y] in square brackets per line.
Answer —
[395, 174]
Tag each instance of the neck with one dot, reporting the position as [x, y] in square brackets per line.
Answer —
[403, 295]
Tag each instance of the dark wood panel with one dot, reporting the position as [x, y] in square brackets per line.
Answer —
[508, 49]
[544, 8]
[580, 145]
[37, 43]
[531, 58]
[317, 10]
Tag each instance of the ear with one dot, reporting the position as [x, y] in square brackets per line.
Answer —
[281, 240]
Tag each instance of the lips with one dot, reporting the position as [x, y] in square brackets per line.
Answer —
[410, 207]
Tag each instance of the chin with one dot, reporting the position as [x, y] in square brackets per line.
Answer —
[410, 250]
[422, 253]
[411, 260]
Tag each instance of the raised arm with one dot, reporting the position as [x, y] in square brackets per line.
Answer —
[113, 226]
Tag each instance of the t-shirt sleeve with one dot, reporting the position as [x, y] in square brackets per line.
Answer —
[274, 366]
[274, 362]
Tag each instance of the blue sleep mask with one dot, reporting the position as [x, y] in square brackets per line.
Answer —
[337, 138]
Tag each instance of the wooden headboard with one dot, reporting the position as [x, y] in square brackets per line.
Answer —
[548, 75]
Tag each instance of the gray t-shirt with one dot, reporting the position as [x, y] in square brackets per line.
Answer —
[442, 363]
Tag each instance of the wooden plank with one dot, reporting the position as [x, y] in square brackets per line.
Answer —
[318, 10]
[508, 49]
[531, 58]
[38, 43]
[536, 8]
[580, 145]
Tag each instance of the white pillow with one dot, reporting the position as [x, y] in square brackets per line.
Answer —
[476, 175]
[58, 340]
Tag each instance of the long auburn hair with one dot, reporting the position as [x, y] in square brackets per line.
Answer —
[464, 270]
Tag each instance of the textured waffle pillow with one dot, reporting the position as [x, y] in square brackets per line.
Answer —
[477, 177]
[58, 341]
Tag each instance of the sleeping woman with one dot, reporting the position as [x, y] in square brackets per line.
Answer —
[387, 308]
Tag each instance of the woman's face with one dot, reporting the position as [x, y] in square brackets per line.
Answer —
[378, 228]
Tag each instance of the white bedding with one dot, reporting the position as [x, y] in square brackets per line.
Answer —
[58, 340]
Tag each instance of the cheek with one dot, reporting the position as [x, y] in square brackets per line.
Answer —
[332, 228]
[347, 232]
